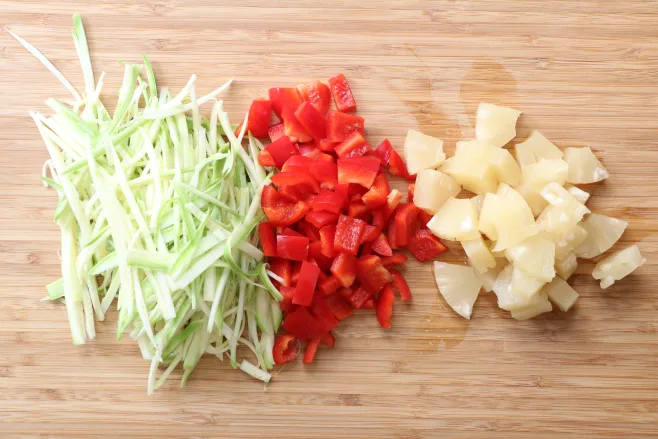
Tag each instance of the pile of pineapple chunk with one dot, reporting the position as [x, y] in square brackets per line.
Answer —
[527, 224]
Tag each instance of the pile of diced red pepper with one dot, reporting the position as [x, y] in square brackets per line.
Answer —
[333, 222]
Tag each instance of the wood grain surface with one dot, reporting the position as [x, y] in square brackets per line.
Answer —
[583, 72]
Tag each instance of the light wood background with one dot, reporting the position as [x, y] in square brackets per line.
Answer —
[583, 72]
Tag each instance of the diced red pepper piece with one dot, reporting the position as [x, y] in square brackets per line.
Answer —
[405, 223]
[344, 269]
[342, 94]
[296, 163]
[354, 145]
[378, 219]
[287, 231]
[259, 117]
[385, 306]
[369, 304]
[308, 230]
[321, 218]
[329, 340]
[391, 235]
[423, 217]
[383, 151]
[370, 233]
[281, 150]
[305, 289]
[326, 172]
[327, 145]
[315, 254]
[296, 193]
[371, 273]
[401, 285]
[317, 94]
[280, 211]
[284, 98]
[366, 249]
[327, 200]
[293, 127]
[378, 193]
[302, 324]
[356, 191]
[346, 292]
[265, 158]
[322, 313]
[295, 178]
[311, 349]
[309, 150]
[396, 259]
[359, 170]
[312, 120]
[359, 297]
[357, 209]
[381, 246]
[340, 307]
[267, 239]
[410, 192]
[286, 303]
[396, 165]
[285, 349]
[327, 237]
[294, 248]
[295, 268]
[393, 200]
[281, 267]
[425, 246]
[276, 131]
[349, 232]
[340, 125]
[328, 285]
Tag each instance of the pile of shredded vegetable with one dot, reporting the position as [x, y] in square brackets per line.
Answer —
[158, 208]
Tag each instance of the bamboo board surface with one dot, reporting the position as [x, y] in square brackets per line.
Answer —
[584, 73]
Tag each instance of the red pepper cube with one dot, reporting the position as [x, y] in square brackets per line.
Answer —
[425, 246]
[342, 93]
[383, 151]
[265, 158]
[321, 218]
[371, 273]
[328, 201]
[358, 170]
[401, 285]
[305, 289]
[286, 303]
[293, 127]
[327, 145]
[287, 231]
[322, 313]
[349, 232]
[285, 349]
[327, 237]
[377, 195]
[340, 125]
[259, 117]
[294, 248]
[381, 246]
[311, 350]
[340, 307]
[297, 163]
[359, 297]
[329, 285]
[267, 239]
[312, 121]
[308, 230]
[343, 191]
[296, 178]
[302, 324]
[385, 306]
[329, 340]
[317, 94]
[357, 209]
[276, 131]
[396, 259]
[315, 255]
[423, 217]
[281, 150]
[326, 172]
[295, 268]
[344, 269]
[406, 221]
[281, 267]
[309, 150]
[370, 233]
[284, 98]
[396, 165]
[354, 145]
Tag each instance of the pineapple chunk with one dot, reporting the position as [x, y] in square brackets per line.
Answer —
[539, 304]
[602, 232]
[584, 167]
[566, 266]
[568, 242]
[506, 218]
[478, 254]
[578, 193]
[495, 124]
[536, 176]
[433, 188]
[535, 149]
[561, 293]
[618, 265]
[458, 285]
[456, 220]
[477, 202]
[507, 298]
[489, 277]
[502, 162]
[535, 256]
[471, 173]
[524, 285]
[422, 152]
[563, 213]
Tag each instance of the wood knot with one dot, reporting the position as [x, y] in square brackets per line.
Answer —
[33, 258]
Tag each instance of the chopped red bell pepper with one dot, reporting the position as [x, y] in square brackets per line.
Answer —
[281, 150]
[340, 89]
[406, 221]
[327, 200]
[286, 303]
[396, 165]
[309, 150]
[369, 304]
[371, 273]
[359, 170]
[321, 218]
[305, 289]
[354, 145]
[311, 349]
[328, 285]
[308, 230]
[259, 117]
[276, 131]
[340, 125]
[294, 248]
[265, 158]
[280, 210]
[344, 269]
[401, 285]
[423, 217]
[378, 219]
[383, 151]
[366, 249]
[425, 246]
[296, 178]
[317, 94]
[315, 254]
[327, 237]
[381, 246]
[296, 193]
[282, 98]
[393, 200]
[357, 209]
[312, 120]
[359, 297]
[410, 192]
[396, 259]
[329, 340]
[296, 163]
[346, 291]
[281, 267]
[302, 324]
[370, 233]
[378, 193]
[323, 314]
[327, 145]
[295, 268]
[340, 307]
[267, 239]
[293, 127]
[287, 231]
[385, 306]
[285, 349]
[326, 172]
[349, 232]
[391, 235]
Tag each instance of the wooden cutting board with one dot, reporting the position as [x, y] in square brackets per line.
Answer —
[584, 73]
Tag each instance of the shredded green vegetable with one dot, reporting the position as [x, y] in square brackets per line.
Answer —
[158, 209]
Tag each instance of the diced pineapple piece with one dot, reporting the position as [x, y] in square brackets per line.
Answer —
[563, 213]
[477, 202]
[458, 285]
[536, 176]
[495, 124]
[556, 195]
[535, 256]
[524, 285]
[507, 298]
[422, 152]
[535, 149]
[578, 193]
[568, 242]
[471, 173]
[561, 293]
[602, 232]
[489, 277]
[433, 188]
[506, 218]
[584, 167]
[456, 220]
[478, 254]
[567, 266]
[539, 304]
[618, 265]
[502, 162]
